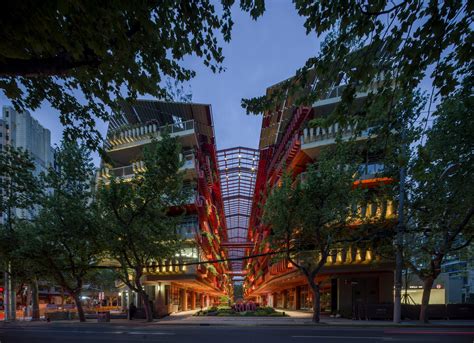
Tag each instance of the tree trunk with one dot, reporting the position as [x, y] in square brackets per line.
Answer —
[35, 312]
[427, 284]
[62, 296]
[316, 301]
[80, 310]
[146, 306]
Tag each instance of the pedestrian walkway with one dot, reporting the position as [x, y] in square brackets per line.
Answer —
[179, 316]
[294, 318]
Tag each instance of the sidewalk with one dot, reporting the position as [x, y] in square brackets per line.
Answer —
[295, 318]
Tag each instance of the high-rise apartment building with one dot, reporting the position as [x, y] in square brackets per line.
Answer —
[171, 286]
[21, 130]
[352, 276]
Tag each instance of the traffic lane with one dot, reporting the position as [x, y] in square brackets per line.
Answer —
[231, 334]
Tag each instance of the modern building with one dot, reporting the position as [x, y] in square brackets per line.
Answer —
[21, 130]
[171, 286]
[352, 276]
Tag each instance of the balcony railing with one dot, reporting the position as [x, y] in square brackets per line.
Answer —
[315, 134]
[125, 172]
[141, 131]
[336, 92]
[129, 171]
[173, 266]
[370, 170]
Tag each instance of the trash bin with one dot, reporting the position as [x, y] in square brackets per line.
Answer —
[103, 316]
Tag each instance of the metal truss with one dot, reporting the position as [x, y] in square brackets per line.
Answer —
[238, 171]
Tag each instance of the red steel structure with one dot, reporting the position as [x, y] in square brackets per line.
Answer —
[350, 277]
[170, 285]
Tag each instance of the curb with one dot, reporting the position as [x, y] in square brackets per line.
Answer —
[170, 324]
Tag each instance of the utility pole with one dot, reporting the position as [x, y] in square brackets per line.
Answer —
[397, 302]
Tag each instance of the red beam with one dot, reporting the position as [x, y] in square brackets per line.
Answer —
[240, 272]
[237, 245]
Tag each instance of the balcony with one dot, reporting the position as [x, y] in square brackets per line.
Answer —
[334, 95]
[127, 172]
[170, 267]
[365, 171]
[315, 138]
[188, 229]
[370, 170]
[139, 134]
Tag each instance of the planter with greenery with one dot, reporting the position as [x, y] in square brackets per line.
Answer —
[226, 311]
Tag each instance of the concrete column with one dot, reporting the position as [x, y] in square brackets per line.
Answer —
[193, 300]
[185, 300]
[201, 299]
[270, 300]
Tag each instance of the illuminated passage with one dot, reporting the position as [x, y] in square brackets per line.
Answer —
[237, 170]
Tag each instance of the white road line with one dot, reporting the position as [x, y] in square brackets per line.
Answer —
[149, 333]
[340, 337]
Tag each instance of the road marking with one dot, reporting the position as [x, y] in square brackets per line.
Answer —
[149, 333]
[430, 332]
[340, 337]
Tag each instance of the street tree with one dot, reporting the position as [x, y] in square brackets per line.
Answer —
[381, 43]
[19, 190]
[139, 228]
[309, 218]
[388, 50]
[440, 193]
[62, 242]
[82, 57]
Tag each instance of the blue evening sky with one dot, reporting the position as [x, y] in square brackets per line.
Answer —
[261, 53]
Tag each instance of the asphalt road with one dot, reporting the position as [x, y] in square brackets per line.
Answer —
[241, 334]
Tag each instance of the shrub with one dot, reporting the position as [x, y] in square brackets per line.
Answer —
[224, 308]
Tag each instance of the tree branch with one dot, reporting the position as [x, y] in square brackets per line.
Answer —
[367, 12]
[47, 66]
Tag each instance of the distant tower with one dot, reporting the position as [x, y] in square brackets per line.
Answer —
[21, 130]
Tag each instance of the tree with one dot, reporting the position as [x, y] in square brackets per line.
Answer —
[62, 242]
[382, 43]
[104, 51]
[440, 198]
[386, 49]
[18, 197]
[310, 218]
[139, 229]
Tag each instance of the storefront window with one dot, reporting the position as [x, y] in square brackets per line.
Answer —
[174, 295]
[306, 298]
[291, 293]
